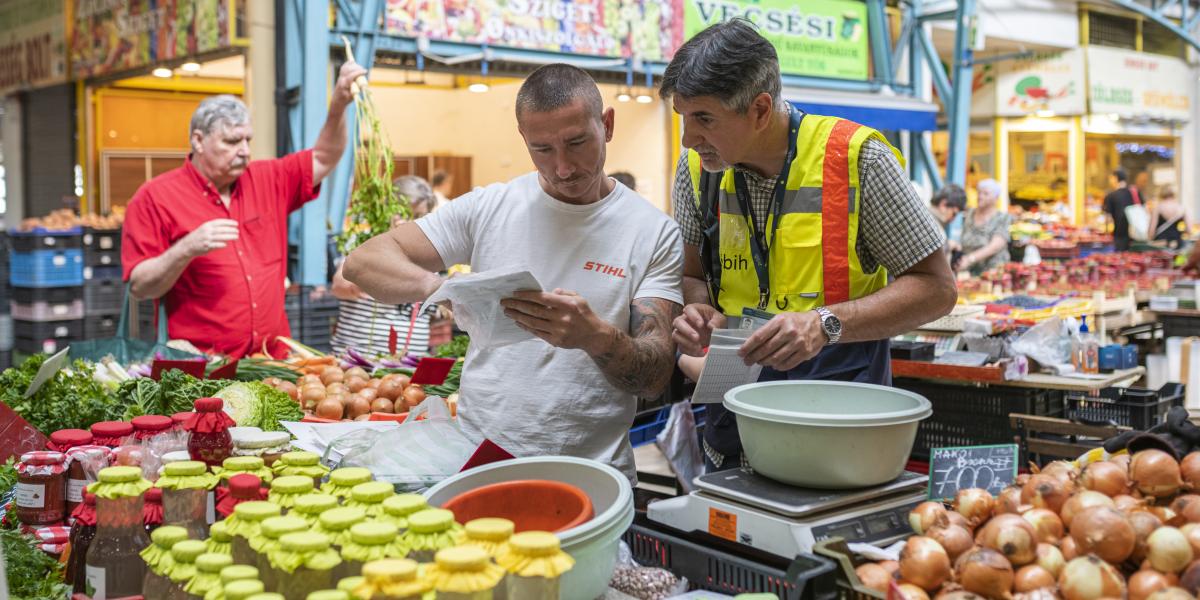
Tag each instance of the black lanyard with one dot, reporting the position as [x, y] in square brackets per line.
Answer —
[760, 244]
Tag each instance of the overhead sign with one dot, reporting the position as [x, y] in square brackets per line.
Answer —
[819, 38]
[1139, 84]
[649, 29]
[1046, 82]
[111, 36]
[32, 44]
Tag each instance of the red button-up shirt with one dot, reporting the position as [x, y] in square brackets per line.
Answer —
[230, 300]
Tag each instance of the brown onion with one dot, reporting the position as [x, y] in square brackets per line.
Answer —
[1172, 593]
[1070, 550]
[975, 504]
[1083, 501]
[1049, 526]
[1145, 582]
[954, 539]
[1167, 515]
[1121, 460]
[1189, 470]
[1012, 536]
[924, 562]
[1064, 470]
[1050, 558]
[1187, 506]
[1105, 532]
[985, 572]
[953, 518]
[1009, 501]
[1032, 577]
[909, 591]
[1089, 578]
[874, 577]
[1104, 477]
[1126, 503]
[1192, 532]
[1155, 473]
[922, 518]
[1169, 550]
[1040, 594]
[1190, 579]
[1144, 523]
[957, 595]
[892, 566]
[1045, 491]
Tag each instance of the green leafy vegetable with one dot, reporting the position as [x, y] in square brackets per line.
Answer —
[258, 369]
[456, 348]
[175, 391]
[32, 574]
[71, 399]
[255, 404]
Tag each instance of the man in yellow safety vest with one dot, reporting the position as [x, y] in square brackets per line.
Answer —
[806, 224]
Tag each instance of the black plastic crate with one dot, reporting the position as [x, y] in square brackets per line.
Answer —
[102, 296]
[1138, 408]
[44, 239]
[1176, 326]
[6, 359]
[102, 239]
[102, 272]
[101, 258]
[968, 415]
[52, 295]
[26, 346]
[719, 566]
[97, 327]
[47, 329]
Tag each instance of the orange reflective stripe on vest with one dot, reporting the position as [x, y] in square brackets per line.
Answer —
[835, 213]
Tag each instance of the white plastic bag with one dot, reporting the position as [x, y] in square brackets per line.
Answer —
[1139, 222]
[1048, 343]
[415, 455]
[680, 445]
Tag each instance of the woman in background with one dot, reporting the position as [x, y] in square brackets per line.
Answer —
[985, 234]
[1168, 220]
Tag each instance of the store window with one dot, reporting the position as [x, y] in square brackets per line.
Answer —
[1037, 170]
[1149, 161]
[1112, 30]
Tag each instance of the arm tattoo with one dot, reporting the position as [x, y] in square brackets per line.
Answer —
[641, 362]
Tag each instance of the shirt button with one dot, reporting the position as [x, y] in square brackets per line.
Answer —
[248, 278]
[253, 305]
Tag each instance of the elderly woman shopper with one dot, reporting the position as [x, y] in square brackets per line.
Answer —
[985, 232]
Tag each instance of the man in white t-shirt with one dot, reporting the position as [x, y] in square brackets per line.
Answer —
[613, 261]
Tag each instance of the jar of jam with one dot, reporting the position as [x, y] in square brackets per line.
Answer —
[243, 487]
[148, 426]
[186, 487]
[210, 442]
[114, 567]
[83, 467]
[179, 420]
[111, 433]
[41, 487]
[82, 532]
[65, 439]
[152, 509]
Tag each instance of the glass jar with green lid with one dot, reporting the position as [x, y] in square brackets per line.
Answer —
[391, 579]
[286, 489]
[267, 542]
[349, 584]
[428, 531]
[310, 506]
[300, 462]
[328, 595]
[183, 567]
[157, 557]
[243, 464]
[186, 486]
[396, 509]
[342, 480]
[240, 590]
[368, 541]
[535, 563]
[304, 562]
[464, 573]
[229, 575]
[369, 496]
[266, 596]
[245, 524]
[113, 566]
[208, 574]
[491, 534]
[336, 523]
[219, 540]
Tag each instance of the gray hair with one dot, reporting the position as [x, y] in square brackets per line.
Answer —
[555, 86]
[414, 188]
[729, 61]
[989, 185]
[224, 110]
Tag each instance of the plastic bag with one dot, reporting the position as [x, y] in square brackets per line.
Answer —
[157, 446]
[1047, 343]
[680, 445]
[644, 583]
[414, 456]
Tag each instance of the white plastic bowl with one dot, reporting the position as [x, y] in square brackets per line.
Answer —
[827, 434]
[594, 544]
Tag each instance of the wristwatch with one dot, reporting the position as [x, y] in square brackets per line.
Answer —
[830, 324]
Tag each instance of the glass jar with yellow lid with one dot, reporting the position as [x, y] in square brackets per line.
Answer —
[267, 543]
[535, 563]
[286, 489]
[391, 579]
[304, 562]
[428, 531]
[464, 573]
[369, 540]
[245, 524]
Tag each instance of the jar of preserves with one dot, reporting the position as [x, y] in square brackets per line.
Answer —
[253, 465]
[267, 445]
[390, 579]
[369, 496]
[82, 531]
[113, 566]
[242, 589]
[285, 490]
[368, 541]
[209, 440]
[83, 469]
[156, 583]
[186, 487]
[152, 509]
[208, 574]
[304, 562]
[65, 439]
[428, 532]
[245, 525]
[41, 488]
[336, 523]
[229, 575]
[396, 509]
[242, 487]
[299, 462]
[310, 507]
[110, 433]
[179, 420]
[183, 567]
[267, 543]
[349, 584]
[341, 481]
[328, 595]
[535, 564]
[148, 426]
[219, 540]
[491, 534]
[464, 573]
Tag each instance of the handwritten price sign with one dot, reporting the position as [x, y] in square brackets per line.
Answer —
[992, 468]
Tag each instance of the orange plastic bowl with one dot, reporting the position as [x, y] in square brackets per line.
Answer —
[531, 504]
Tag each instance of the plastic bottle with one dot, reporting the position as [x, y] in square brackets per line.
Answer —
[183, 567]
[303, 563]
[1091, 349]
[397, 509]
[464, 573]
[267, 542]
[157, 581]
[310, 507]
[368, 541]
[389, 579]
[113, 566]
[341, 481]
[208, 574]
[185, 488]
[369, 496]
[286, 489]
[428, 532]
[535, 563]
[244, 525]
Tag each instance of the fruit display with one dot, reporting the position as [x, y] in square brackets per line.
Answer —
[1115, 274]
[66, 218]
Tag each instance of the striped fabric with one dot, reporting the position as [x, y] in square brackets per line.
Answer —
[364, 325]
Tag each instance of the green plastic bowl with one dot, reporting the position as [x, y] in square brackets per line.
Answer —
[826, 434]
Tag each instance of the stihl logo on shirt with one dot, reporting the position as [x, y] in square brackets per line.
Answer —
[604, 269]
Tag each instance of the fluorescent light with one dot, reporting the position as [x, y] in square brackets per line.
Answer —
[623, 97]
[644, 99]
[190, 67]
[478, 88]
[162, 72]
[1045, 114]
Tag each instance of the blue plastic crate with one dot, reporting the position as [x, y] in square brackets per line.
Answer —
[642, 434]
[46, 268]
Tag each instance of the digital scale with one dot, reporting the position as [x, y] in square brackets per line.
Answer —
[746, 508]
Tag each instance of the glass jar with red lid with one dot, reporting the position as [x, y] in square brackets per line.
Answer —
[83, 468]
[148, 426]
[152, 509]
[111, 433]
[41, 487]
[65, 439]
[210, 442]
[179, 420]
[82, 532]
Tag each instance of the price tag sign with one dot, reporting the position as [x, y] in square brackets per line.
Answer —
[432, 371]
[992, 468]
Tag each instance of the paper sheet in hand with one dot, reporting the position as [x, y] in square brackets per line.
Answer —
[723, 368]
[476, 299]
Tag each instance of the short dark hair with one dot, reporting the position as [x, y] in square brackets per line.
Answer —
[438, 178]
[1121, 175]
[730, 61]
[556, 85]
[952, 195]
[626, 178]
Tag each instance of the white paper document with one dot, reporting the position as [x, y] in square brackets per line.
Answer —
[316, 437]
[476, 300]
[723, 368]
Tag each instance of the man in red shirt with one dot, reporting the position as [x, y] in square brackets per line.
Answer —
[210, 237]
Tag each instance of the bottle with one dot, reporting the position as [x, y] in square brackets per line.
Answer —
[267, 542]
[156, 583]
[491, 534]
[113, 566]
[429, 531]
[369, 496]
[208, 574]
[286, 489]
[244, 525]
[82, 532]
[310, 506]
[243, 487]
[185, 488]
[1091, 349]
[341, 481]
[368, 541]
[209, 441]
[152, 509]
[303, 563]
[535, 563]
[336, 523]
[41, 490]
[219, 540]
[396, 509]
[231, 574]
[388, 579]
[183, 567]
[464, 573]
[299, 462]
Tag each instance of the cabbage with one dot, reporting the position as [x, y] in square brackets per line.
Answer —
[254, 404]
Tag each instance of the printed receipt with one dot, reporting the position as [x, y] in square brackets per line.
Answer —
[476, 301]
[723, 368]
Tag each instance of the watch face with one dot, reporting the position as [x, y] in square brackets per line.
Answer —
[832, 325]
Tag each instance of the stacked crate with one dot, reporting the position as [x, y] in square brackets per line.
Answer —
[103, 289]
[46, 273]
[6, 323]
[312, 315]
